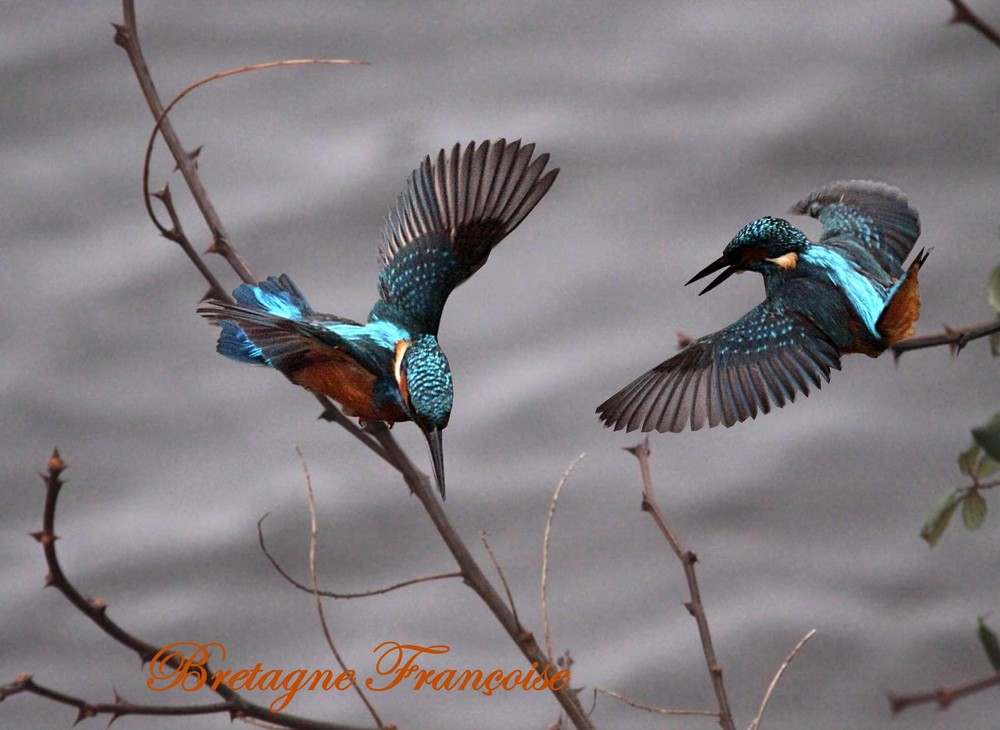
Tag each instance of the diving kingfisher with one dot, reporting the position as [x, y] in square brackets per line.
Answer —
[846, 293]
[392, 368]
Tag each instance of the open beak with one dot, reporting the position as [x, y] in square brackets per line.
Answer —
[720, 263]
[437, 457]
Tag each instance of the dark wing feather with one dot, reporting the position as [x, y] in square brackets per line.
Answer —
[869, 220]
[765, 358]
[273, 322]
[452, 214]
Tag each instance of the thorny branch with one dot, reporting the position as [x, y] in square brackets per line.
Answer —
[955, 337]
[942, 696]
[96, 610]
[375, 435]
[963, 14]
[688, 560]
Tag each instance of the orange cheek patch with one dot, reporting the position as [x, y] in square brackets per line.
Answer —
[401, 348]
[787, 261]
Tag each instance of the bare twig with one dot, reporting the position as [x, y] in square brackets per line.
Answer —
[963, 14]
[220, 240]
[688, 560]
[503, 579]
[649, 708]
[942, 696]
[313, 533]
[545, 552]
[420, 485]
[777, 676]
[346, 596]
[96, 610]
[955, 337]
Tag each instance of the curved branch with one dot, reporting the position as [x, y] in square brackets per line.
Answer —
[330, 594]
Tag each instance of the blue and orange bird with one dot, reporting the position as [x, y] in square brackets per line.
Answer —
[846, 293]
[392, 368]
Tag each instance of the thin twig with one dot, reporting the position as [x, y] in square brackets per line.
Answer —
[942, 696]
[503, 579]
[963, 14]
[96, 610]
[473, 575]
[177, 235]
[313, 533]
[331, 594]
[545, 552]
[688, 560]
[955, 337]
[649, 708]
[220, 239]
[755, 725]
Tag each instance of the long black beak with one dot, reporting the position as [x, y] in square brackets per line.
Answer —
[720, 263]
[437, 457]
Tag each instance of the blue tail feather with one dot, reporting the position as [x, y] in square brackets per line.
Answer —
[276, 295]
[234, 344]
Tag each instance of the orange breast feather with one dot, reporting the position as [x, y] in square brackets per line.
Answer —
[896, 322]
[339, 376]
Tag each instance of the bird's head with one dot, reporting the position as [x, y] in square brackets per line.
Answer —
[767, 246]
[424, 381]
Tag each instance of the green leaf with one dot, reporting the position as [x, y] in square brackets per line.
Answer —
[973, 509]
[937, 520]
[987, 467]
[988, 436]
[990, 644]
[967, 459]
[993, 288]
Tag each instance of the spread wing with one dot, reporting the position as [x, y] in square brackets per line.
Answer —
[271, 323]
[763, 359]
[452, 214]
[871, 221]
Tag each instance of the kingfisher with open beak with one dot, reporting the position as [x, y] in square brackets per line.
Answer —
[845, 293]
[392, 368]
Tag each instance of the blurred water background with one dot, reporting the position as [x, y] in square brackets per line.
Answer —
[674, 123]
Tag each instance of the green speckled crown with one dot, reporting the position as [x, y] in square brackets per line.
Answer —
[775, 235]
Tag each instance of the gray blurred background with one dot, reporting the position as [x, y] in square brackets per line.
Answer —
[674, 123]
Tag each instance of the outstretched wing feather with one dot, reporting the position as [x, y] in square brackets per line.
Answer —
[761, 361]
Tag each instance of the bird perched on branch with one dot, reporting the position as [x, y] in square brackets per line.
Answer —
[846, 293]
[392, 368]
